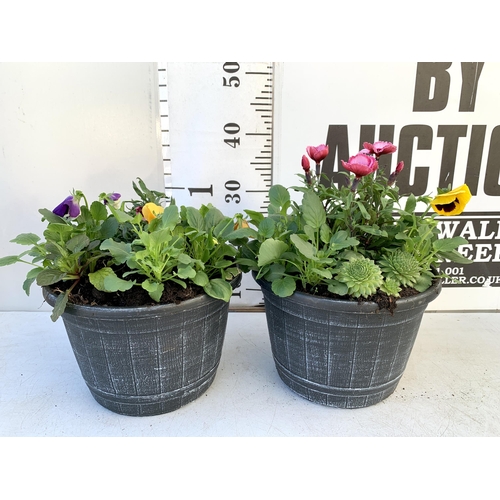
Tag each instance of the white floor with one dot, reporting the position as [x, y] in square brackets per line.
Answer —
[451, 387]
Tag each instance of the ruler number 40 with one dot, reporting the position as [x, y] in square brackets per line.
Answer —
[231, 129]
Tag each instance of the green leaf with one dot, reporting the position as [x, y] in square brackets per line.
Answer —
[363, 210]
[338, 288]
[48, 277]
[455, 256]
[222, 263]
[313, 210]
[255, 217]
[119, 250]
[121, 216]
[85, 217]
[214, 217]
[170, 217]
[229, 273]
[106, 280]
[375, 230]
[9, 260]
[325, 233]
[247, 263]
[270, 251]
[279, 196]
[310, 232]
[284, 287]
[266, 228]
[423, 283]
[402, 236]
[186, 272]
[304, 247]
[339, 240]
[154, 289]
[411, 204]
[324, 273]
[53, 249]
[184, 258]
[60, 305]
[223, 229]
[77, 243]
[201, 278]
[448, 244]
[50, 216]
[108, 228]
[276, 271]
[219, 289]
[98, 211]
[26, 239]
[30, 278]
[195, 219]
[244, 232]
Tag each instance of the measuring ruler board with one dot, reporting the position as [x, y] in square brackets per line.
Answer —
[217, 141]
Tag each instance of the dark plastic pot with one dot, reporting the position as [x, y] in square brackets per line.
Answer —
[338, 352]
[147, 360]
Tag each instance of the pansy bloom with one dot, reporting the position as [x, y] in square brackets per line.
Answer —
[151, 210]
[453, 202]
[69, 207]
[113, 198]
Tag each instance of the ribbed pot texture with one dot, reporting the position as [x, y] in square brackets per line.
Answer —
[340, 353]
[146, 361]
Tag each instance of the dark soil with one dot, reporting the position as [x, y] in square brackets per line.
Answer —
[383, 300]
[84, 293]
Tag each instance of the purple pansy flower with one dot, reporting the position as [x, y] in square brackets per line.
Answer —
[112, 197]
[69, 207]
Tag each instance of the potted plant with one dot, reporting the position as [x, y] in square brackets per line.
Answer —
[143, 291]
[346, 275]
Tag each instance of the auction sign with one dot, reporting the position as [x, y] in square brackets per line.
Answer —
[444, 118]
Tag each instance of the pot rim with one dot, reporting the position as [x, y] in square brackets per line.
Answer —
[139, 311]
[350, 305]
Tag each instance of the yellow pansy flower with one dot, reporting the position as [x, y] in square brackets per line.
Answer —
[453, 202]
[151, 210]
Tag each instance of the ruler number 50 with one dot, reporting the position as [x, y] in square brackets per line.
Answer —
[233, 81]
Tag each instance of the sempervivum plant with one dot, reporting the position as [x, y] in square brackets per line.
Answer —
[357, 239]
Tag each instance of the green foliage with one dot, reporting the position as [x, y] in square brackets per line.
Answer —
[113, 244]
[355, 239]
[70, 250]
[180, 246]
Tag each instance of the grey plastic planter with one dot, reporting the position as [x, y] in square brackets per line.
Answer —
[147, 360]
[340, 353]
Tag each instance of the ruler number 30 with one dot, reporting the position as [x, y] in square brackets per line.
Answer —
[232, 129]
